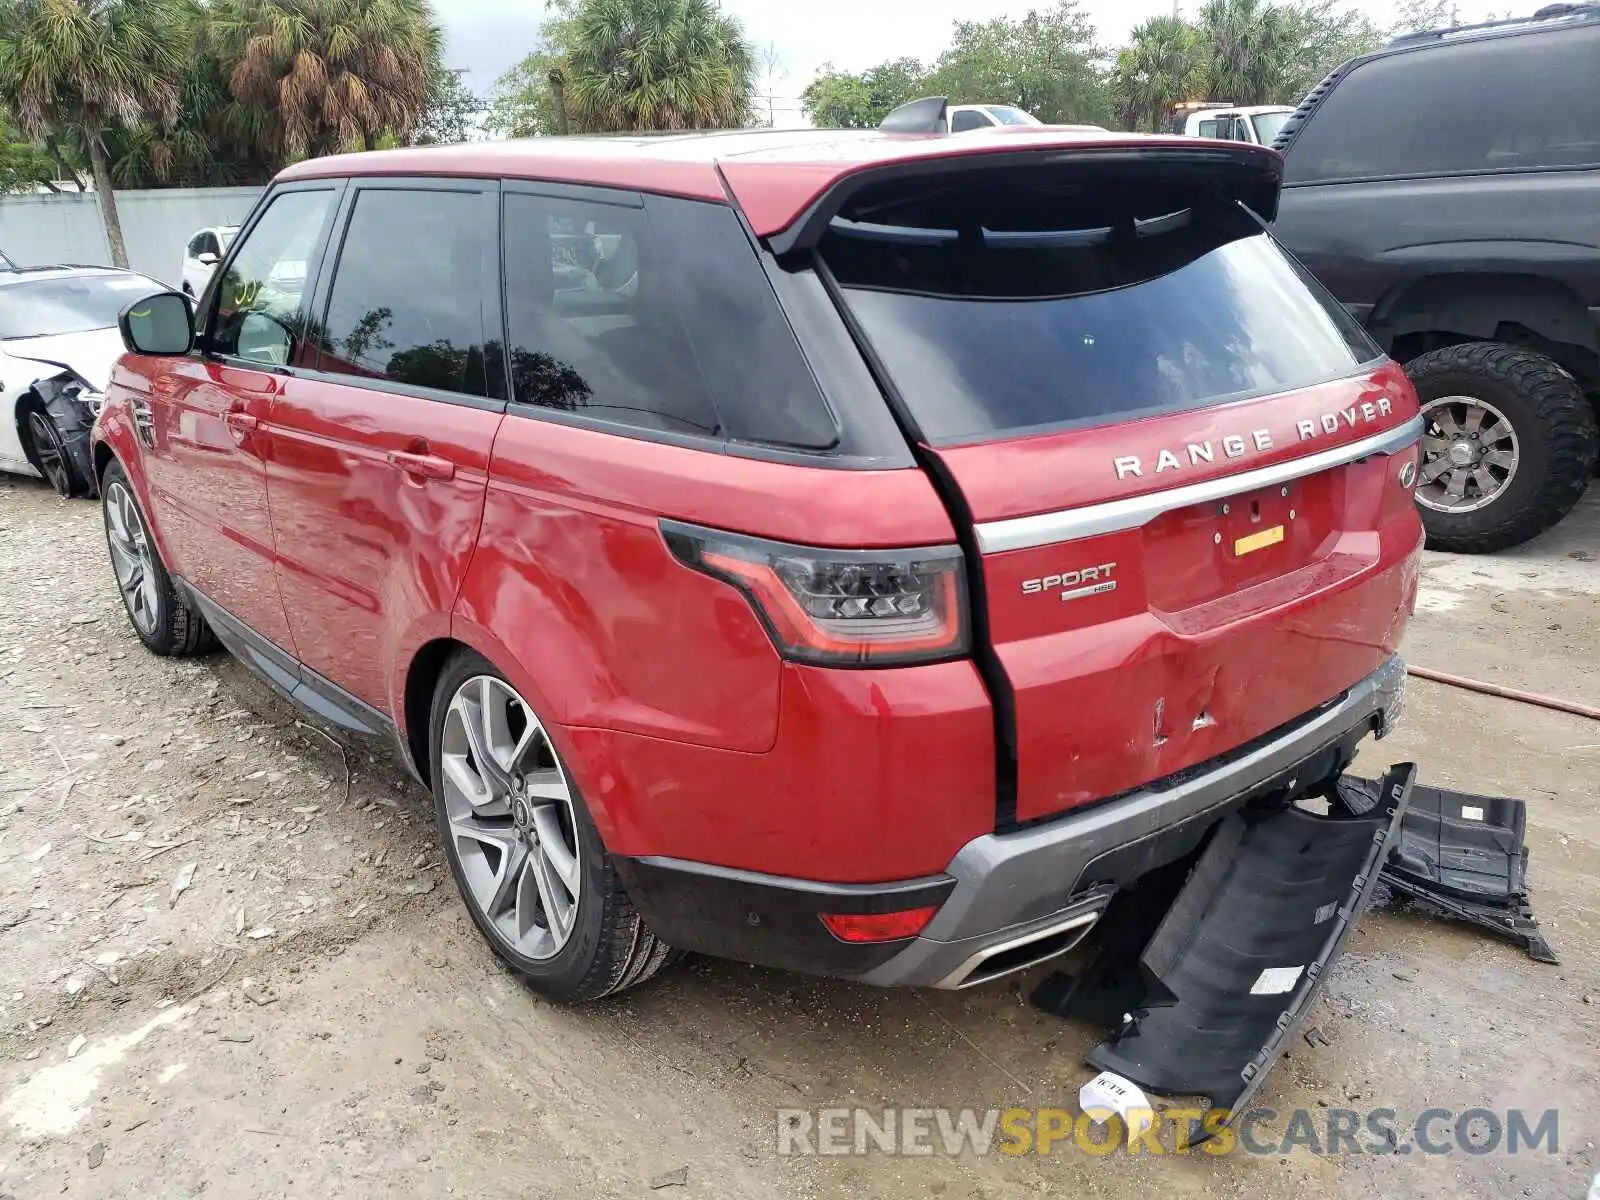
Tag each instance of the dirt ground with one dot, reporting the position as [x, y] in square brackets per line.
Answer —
[232, 965]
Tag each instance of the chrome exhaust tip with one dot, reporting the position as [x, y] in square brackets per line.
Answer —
[1023, 951]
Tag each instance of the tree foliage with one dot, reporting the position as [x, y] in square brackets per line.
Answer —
[629, 64]
[1159, 67]
[1413, 16]
[657, 64]
[1045, 62]
[452, 113]
[323, 76]
[1236, 51]
[24, 165]
[837, 99]
[89, 67]
[520, 103]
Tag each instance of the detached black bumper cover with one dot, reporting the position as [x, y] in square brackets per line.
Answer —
[1234, 964]
[1463, 856]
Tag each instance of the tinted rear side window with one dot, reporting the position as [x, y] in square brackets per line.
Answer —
[759, 380]
[1083, 315]
[407, 303]
[658, 318]
[1522, 102]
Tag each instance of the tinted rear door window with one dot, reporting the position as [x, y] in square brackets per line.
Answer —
[1521, 102]
[991, 337]
[408, 296]
[968, 119]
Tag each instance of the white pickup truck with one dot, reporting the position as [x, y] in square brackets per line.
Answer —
[1255, 123]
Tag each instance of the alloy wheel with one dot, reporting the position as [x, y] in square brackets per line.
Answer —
[52, 455]
[132, 558]
[510, 815]
[1470, 454]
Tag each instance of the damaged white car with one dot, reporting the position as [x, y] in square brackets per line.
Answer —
[58, 343]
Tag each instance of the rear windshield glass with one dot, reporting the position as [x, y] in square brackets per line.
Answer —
[72, 305]
[1082, 305]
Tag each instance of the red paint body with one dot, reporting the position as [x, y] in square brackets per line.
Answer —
[538, 544]
[370, 556]
[1228, 644]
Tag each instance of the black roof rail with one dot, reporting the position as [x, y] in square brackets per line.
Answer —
[926, 115]
[1550, 12]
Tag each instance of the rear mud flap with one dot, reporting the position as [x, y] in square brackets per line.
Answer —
[1205, 1005]
[1461, 856]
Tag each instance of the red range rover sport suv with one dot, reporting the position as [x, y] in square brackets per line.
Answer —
[858, 553]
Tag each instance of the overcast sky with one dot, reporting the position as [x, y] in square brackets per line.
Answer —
[487, 36]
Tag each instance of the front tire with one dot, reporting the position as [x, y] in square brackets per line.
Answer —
[164, 623]
[1508, 447]
[527, 858]
[47, 450]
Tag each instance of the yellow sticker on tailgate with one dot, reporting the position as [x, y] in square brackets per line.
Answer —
[1258, 541]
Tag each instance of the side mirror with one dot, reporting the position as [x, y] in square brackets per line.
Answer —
[206, 259]
[162, 323]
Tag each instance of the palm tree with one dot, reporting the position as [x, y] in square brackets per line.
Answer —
[1157, 68]
[322, 76]
[658, 64]
[89, 66]
[1245, 50]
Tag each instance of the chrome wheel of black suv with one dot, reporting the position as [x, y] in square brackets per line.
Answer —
[1508, 445]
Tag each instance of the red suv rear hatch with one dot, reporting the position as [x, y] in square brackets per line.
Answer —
[1181, 462]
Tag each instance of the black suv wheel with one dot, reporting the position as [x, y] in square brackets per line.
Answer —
[1509, 445]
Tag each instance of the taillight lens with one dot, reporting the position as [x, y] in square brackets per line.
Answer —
[840, 607]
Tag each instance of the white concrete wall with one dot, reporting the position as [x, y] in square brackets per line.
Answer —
[41, 230]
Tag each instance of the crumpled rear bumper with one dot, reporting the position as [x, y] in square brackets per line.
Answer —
[1006, 900]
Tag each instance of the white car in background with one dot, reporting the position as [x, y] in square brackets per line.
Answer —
[202, 254]
[964, 118]
[58, 343]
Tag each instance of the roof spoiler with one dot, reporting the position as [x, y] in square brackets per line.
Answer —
[1240, 171]
[918, 116]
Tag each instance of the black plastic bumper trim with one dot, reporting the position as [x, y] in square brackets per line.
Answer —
[769, 920]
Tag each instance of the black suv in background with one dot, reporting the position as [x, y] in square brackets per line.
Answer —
[1447, 189]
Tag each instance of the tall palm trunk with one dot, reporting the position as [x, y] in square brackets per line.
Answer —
[108, 200]
[558, 99]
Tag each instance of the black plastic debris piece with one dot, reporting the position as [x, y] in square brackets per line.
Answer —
[1210, 1000]
[1462, 856]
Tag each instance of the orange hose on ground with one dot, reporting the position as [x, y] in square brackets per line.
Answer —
[1505, 693]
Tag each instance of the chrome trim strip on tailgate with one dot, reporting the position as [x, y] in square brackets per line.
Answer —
[1065, 525]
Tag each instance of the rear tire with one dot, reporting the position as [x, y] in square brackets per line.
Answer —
[1550, 455]
[165, 624]
[518, 837]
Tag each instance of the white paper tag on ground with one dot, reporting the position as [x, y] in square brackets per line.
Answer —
[1110, 1092]
[1276, 980]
